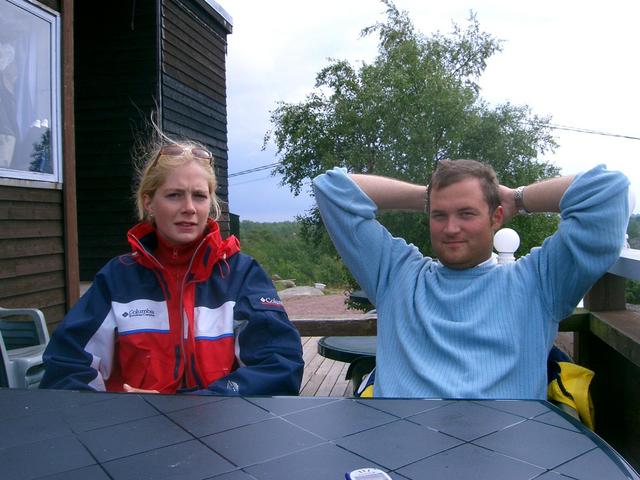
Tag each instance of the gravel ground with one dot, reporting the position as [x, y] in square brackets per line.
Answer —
[318, 304]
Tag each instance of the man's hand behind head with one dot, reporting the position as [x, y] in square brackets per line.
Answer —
[507, 200]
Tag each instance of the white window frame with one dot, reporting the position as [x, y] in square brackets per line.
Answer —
[53, 19]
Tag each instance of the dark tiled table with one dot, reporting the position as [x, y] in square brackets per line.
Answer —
[77, 435]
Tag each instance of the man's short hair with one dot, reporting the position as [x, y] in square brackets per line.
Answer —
[449, 172]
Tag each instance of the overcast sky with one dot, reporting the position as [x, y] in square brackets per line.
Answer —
[576, 61]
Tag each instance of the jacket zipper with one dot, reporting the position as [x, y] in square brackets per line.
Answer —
[184, 317]
[182, 354]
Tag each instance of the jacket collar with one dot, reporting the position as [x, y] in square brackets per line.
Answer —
[211, 250]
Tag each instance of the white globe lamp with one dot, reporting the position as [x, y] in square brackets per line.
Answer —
[506, 241]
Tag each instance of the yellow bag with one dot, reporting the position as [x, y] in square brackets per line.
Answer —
[571, 387]
[365, 390]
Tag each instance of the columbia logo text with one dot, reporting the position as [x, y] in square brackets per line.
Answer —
[139, 312]
[271, 301]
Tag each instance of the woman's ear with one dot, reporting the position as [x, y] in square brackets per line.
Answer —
[146, 202]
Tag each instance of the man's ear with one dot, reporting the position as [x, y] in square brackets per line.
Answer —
[497, 218]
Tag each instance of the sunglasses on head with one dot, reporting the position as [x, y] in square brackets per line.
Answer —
[177, 150]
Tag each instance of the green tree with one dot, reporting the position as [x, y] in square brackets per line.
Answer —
[42, 161]
[633, 231]
[633, 287]
[632, 292]
[418, 102]
[282, 251]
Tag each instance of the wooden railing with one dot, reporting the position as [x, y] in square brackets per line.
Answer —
[318, 327]
[607, 340]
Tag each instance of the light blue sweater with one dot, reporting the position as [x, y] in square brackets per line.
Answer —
[483, 332]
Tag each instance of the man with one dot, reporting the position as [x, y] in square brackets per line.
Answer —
[463, 326]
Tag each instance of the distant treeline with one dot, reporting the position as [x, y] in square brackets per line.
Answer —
[281, 250]
[633, 287]
[634, 231]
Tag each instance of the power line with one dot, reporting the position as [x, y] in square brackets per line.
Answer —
[550, 125]
[251, 170]
[259, 179]
[587, 130]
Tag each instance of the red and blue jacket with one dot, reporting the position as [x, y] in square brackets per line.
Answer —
[222, 331]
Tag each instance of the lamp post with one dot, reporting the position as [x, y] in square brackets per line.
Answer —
[506, 241]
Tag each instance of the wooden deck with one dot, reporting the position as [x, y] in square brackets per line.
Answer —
[322, 377]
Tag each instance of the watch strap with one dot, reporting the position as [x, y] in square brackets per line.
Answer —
[518, 198]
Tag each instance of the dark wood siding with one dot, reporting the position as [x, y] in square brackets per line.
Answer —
[116, 84]
[32, 267]
[193, 85]
[119, 81]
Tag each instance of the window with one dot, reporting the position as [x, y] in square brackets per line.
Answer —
[29, 92]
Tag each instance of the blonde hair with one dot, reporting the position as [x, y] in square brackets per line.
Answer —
[153, 169]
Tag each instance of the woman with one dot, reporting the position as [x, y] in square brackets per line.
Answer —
[184, 311]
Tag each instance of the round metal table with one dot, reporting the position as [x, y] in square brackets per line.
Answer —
[358, 351]
[347, 349]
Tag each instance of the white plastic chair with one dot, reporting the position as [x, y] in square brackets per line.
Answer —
[21, 346]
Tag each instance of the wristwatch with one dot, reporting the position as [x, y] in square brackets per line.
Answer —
[518, 198]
